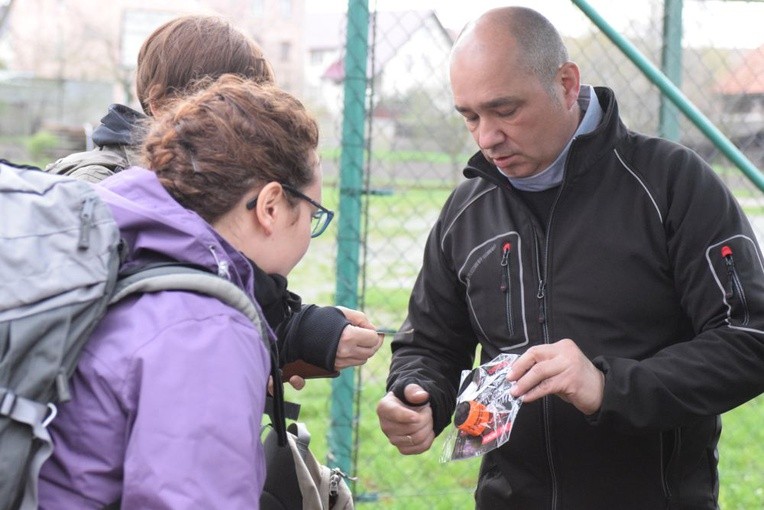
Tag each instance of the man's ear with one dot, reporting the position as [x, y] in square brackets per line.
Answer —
[570, 77]
[270, 203]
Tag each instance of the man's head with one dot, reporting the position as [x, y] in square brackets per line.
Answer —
[513, 84]
[189, 48]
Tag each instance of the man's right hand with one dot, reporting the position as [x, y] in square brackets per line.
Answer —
[410, 429]
[359, 340]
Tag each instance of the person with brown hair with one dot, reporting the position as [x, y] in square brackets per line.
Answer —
[179, 57]
[185, 49]
[616, 266]
[168, 395]
[170, 62]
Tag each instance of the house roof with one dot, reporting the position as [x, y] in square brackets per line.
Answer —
[747, 78]
[393, 30]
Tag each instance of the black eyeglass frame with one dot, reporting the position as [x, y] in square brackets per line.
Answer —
[320, 209]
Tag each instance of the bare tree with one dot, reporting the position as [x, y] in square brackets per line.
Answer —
[5, 10]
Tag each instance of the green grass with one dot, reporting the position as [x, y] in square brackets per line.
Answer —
[741, 463]
[754, 210]
[398, 224]
[399, 156]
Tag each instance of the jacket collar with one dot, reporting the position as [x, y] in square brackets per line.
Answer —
[584, 150]
[118, 126]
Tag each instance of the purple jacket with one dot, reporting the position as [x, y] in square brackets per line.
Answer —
[168, 395]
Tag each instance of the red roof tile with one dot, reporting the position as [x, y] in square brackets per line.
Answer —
[747, 78]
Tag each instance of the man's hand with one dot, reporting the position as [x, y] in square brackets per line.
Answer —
[558, 369]
[296, 381]
[359, 340]
[408, 428]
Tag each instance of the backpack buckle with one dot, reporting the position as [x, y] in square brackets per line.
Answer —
[8, 403]
[52, 414]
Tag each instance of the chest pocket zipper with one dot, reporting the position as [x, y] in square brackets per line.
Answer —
[506, 287]
[734, 285]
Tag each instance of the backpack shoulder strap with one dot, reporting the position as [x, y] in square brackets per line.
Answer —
[172, 276]
[93, 165]
[161, 277]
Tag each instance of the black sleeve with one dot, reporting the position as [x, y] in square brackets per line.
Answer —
[311, 335]
[435, 342]
[721, 367]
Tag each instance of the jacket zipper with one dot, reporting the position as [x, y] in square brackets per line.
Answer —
[86, 222]
[506, 287]
[541, 296]
[734, 282]
[546, 405]
[664, 465]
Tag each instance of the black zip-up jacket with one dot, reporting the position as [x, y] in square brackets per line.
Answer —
[648, 263]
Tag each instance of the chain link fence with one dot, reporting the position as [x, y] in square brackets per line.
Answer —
[415, 146]
[389, 171]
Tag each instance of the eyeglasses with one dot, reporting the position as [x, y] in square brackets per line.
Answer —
[319, 219]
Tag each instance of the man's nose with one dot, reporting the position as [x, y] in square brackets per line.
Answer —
[489, 134]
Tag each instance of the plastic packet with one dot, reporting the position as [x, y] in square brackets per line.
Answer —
[485, 411]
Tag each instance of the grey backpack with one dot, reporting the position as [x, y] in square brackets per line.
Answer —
[59, 268]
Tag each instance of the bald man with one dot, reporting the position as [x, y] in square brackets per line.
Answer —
[618, 267]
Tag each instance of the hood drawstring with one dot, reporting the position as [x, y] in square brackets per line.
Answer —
[222, 265]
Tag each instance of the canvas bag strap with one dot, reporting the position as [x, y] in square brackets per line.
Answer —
[301, 437]
[25, 411]
[37, 416]
[178, 277]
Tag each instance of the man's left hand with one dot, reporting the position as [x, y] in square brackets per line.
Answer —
[558, 369]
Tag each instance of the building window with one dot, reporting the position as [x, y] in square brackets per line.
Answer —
[258, 8]
[286, 8]
[285, 50]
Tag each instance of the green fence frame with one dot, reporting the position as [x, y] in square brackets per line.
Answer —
[669, 90]
[340, 438]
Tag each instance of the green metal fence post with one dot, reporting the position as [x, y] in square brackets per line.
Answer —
[340, 438]
[675, 95]
[671, 63]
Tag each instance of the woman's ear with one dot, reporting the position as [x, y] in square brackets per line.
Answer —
[270, 203]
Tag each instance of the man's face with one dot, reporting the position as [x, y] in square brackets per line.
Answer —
[520, 124]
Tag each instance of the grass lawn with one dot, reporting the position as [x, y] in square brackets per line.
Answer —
[741, 463]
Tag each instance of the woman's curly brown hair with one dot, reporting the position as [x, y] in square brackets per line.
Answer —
[212, 147]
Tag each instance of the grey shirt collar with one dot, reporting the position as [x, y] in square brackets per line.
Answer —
[552, 176]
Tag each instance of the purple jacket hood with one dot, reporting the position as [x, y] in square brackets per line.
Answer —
[155, 228]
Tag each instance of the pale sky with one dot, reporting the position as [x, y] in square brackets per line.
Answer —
[452, 13]
[707, 22]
